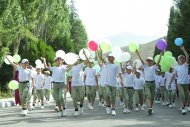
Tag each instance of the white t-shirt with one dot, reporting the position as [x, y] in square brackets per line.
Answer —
[39, 81]
[90, 76]
[168, 77]
[139, 83]
[182, 73]
[162, 81]
[101, 78]
[24, 74]
[77, 75]
[58, 74]
[157, 80]
[128, 79]
[111, 73]
[47, 82]
[149, 72]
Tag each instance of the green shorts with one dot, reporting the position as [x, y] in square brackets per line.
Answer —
[150, 90]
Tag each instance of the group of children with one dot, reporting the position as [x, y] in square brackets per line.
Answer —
[138, 85]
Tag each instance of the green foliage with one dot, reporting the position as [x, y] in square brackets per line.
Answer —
[179, 26]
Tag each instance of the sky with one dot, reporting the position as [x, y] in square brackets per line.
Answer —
[103, 18]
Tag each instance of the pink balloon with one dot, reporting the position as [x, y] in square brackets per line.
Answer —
[93, 45]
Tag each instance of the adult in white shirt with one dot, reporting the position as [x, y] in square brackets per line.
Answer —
[149, 71]
[138, 87]
[59, 83]
[25, 75]
[181, 70]
[110, 79]
[91, 84]
[170, 90]
[128, 78]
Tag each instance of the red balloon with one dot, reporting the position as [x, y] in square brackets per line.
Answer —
[93, 45]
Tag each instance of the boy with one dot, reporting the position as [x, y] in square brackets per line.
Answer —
[47, 85]
[157, 82]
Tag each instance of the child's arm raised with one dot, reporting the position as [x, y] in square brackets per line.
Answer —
[138, 54]
[161, 53]
[186, 54]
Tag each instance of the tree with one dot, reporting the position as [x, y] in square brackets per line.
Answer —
[78, 32]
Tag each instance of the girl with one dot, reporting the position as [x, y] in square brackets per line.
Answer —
[47, 85]
[170, 89]
[91, 84]
[128, 89]
[157, 82]
[162, 88]
[39, 81]
[139, 87]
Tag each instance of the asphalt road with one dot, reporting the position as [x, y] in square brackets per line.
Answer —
[163, 117]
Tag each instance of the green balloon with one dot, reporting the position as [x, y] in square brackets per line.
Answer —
[156, 58]
[165, 68]
[106, 46]
[167, 53]
[13, 85]
[133, 47]
[16, 58]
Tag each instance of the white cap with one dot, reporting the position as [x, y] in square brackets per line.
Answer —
[57, 58]
[111, 54]
[130, 67]
[24, 61]
[180, 56]
[139, 71]
[149, 58]
[38, 67]
[47, 72]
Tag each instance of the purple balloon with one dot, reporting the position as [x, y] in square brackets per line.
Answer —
[161, 44]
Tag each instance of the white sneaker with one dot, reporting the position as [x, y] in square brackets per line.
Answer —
[42, 107]
[188, 109]
[108, 110]
[142, 108]
[144, 105]
[76, 113]
[32, 108]
[81, 110]
[89, 105]
[136, 109]
[156, 102]
[163, 103]
[24, 112]
[173, 104]
[170, 106]
[103, 105]
[56, 108]
[100, 104]
[113, 113]
[47, 102]
[126, 110]
[152, 111]
[183, 111]
[61, 114]
[64, 113]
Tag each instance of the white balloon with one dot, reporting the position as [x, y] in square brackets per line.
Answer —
[122, 56]
[60, 53]
[10, 58]
[138, 63]
[81, 54]
[38, 62]
[71, 58]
